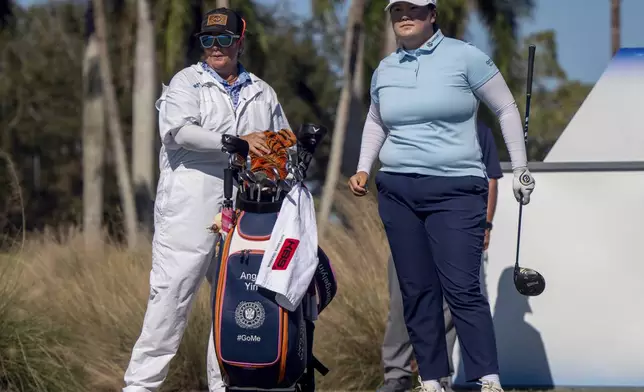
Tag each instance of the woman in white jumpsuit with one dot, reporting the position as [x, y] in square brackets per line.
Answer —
[204, 101]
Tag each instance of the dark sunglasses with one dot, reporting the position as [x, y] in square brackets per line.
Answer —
[222, 41]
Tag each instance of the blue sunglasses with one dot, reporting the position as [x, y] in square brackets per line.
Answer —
[222, 41]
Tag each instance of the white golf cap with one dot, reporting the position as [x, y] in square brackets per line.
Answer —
[414, 2]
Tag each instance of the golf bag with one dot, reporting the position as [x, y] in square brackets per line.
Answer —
[259, 344]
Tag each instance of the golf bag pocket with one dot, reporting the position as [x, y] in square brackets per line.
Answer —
[256, 227]
[258, 343]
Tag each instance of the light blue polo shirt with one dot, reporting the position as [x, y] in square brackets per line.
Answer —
[426, 100]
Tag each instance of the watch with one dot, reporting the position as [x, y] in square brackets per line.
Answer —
[488, 225]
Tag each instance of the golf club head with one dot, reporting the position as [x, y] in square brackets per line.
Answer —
[234, 145]
[268, 183]
[236, 161]
[309, 136]
[276, 174]
[528, 281]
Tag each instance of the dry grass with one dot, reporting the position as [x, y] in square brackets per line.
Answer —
[90, 304]
[350, 331]
[98, 296]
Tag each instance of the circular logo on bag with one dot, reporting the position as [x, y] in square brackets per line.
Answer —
[250, 315]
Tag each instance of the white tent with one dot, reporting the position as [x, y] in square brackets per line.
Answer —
[609, 125]
[583, 231]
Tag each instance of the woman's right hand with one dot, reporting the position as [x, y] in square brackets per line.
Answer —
[358, 183]
[256, 143]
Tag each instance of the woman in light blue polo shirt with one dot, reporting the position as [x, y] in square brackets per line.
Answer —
[432, 187]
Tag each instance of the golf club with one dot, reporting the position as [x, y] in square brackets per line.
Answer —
[308, 137]
[270, 185]
[249, 177]
[527, 281]
[278, 182]
[236, 161]
[294, 174]
[261, 182]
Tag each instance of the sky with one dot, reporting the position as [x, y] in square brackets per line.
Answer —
[582, 28]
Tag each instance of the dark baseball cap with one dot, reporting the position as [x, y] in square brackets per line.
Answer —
[222, 21]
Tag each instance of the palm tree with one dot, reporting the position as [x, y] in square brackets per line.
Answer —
[351, 92]
[143, 113]
[114, 126]
[615, 25]
[93, 137]
[502, 21]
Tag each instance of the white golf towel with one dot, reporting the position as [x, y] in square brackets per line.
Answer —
[291, 256]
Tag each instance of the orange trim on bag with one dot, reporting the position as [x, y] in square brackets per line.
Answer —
[284, 348]
[221, 282]
[283, 320]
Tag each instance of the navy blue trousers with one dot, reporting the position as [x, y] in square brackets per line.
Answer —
[435, 227]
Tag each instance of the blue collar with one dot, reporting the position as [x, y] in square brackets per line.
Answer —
[242, 78]
[426, 48]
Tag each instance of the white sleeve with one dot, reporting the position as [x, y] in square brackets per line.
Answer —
[497, 96]
[195, 138]
[373, 137]
[180, 117]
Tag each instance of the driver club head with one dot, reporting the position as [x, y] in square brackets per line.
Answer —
[528, 281]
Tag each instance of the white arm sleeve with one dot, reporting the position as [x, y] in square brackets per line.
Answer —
[195, 138]
[373, 137]
[180, 118]
[497, 96]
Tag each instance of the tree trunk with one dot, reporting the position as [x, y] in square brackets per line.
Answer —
[93, 138]
[352, 41]
[143, 115]
[357, 113]
[615, 25]
[114, 126]
[389, 44]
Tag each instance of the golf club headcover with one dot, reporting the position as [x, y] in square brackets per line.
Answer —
[291, 256]
[309, 137]
[278, 143]
[234, 145]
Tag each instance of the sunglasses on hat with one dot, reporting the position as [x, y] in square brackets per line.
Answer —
[221, 41]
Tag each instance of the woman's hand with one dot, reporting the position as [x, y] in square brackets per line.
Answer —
[358, 183]
[256, 143]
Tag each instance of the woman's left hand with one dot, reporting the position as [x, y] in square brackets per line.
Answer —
[256, 143]
[358, 183]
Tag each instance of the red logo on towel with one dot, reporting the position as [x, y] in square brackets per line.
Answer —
[285, 254]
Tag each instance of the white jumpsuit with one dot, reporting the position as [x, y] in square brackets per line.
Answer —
[194, 111]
